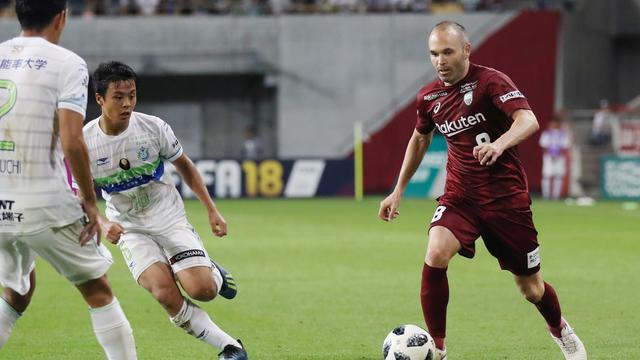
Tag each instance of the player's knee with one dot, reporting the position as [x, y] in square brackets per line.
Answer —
[166, 295]
[437, 257]
[203, 292]
[97, 292]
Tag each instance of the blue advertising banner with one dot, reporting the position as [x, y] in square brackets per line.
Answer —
[620, 177]
[302, 178]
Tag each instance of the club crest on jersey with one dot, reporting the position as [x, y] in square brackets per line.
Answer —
[125, 164]
[143, 153]
[468, 98]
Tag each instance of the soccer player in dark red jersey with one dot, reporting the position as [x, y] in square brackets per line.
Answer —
[483, 116]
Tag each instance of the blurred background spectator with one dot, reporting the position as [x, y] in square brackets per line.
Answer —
[252, 146]
[603, 123]
[555, 142]
[90, 8]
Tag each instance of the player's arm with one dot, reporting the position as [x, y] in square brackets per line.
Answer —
[524, 125]
[192, 178]
[416, 148]
[75, 151]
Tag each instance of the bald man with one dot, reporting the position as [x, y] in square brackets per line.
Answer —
[483, 116]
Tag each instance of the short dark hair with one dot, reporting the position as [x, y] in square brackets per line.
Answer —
[448, 24]
[38, 14]
[109, 72]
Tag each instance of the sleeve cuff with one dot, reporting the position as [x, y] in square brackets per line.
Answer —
[175, 156]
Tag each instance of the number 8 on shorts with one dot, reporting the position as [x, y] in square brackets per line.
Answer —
[438, 214]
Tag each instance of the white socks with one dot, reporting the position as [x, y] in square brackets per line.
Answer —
[197, 323]
[113, 331]
[8, 317]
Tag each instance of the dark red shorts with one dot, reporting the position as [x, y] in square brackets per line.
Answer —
[508, 234]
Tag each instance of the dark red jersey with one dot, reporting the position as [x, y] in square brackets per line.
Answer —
[477, 109]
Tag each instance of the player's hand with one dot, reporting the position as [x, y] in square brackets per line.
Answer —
[218, 224]
[92, 227]
[487, 154]
[389, 207]
[113, 231]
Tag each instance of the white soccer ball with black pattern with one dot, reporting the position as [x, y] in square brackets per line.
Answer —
[408, 342]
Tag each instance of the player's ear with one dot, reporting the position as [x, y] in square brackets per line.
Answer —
[467, 50]
[60, 20]
[99, 99]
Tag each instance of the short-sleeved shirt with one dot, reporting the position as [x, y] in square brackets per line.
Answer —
[477, 109]
[129, 170]
[36, 78]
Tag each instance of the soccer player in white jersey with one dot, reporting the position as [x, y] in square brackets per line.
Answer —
[38, 212]
[146, 215]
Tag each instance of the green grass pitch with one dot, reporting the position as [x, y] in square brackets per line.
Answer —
[325, 279]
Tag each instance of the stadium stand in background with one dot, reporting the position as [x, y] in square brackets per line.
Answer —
[91, 8]
[303, 71]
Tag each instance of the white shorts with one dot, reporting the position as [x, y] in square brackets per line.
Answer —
[60, 247]
[553, 166]
[179, 247]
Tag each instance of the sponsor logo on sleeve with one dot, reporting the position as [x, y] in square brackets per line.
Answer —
[511, 95]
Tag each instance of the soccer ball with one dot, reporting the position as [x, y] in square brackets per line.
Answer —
[408, 342]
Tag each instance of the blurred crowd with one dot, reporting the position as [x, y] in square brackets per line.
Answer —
[91, 8]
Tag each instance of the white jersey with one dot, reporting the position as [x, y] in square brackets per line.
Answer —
[36, 78]
[129, 169]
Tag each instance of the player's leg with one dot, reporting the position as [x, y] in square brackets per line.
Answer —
[450, 233]
[86, 267]
[547, 168]
[201, 280]
[12, 306]
[558, 176]
[546, 187]
[17, 276]
[512, 238]
[205, 279]
[159, 281]
[229, 288]
[149, 265]
[110, 324]
[544, 297]
[434, 293]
